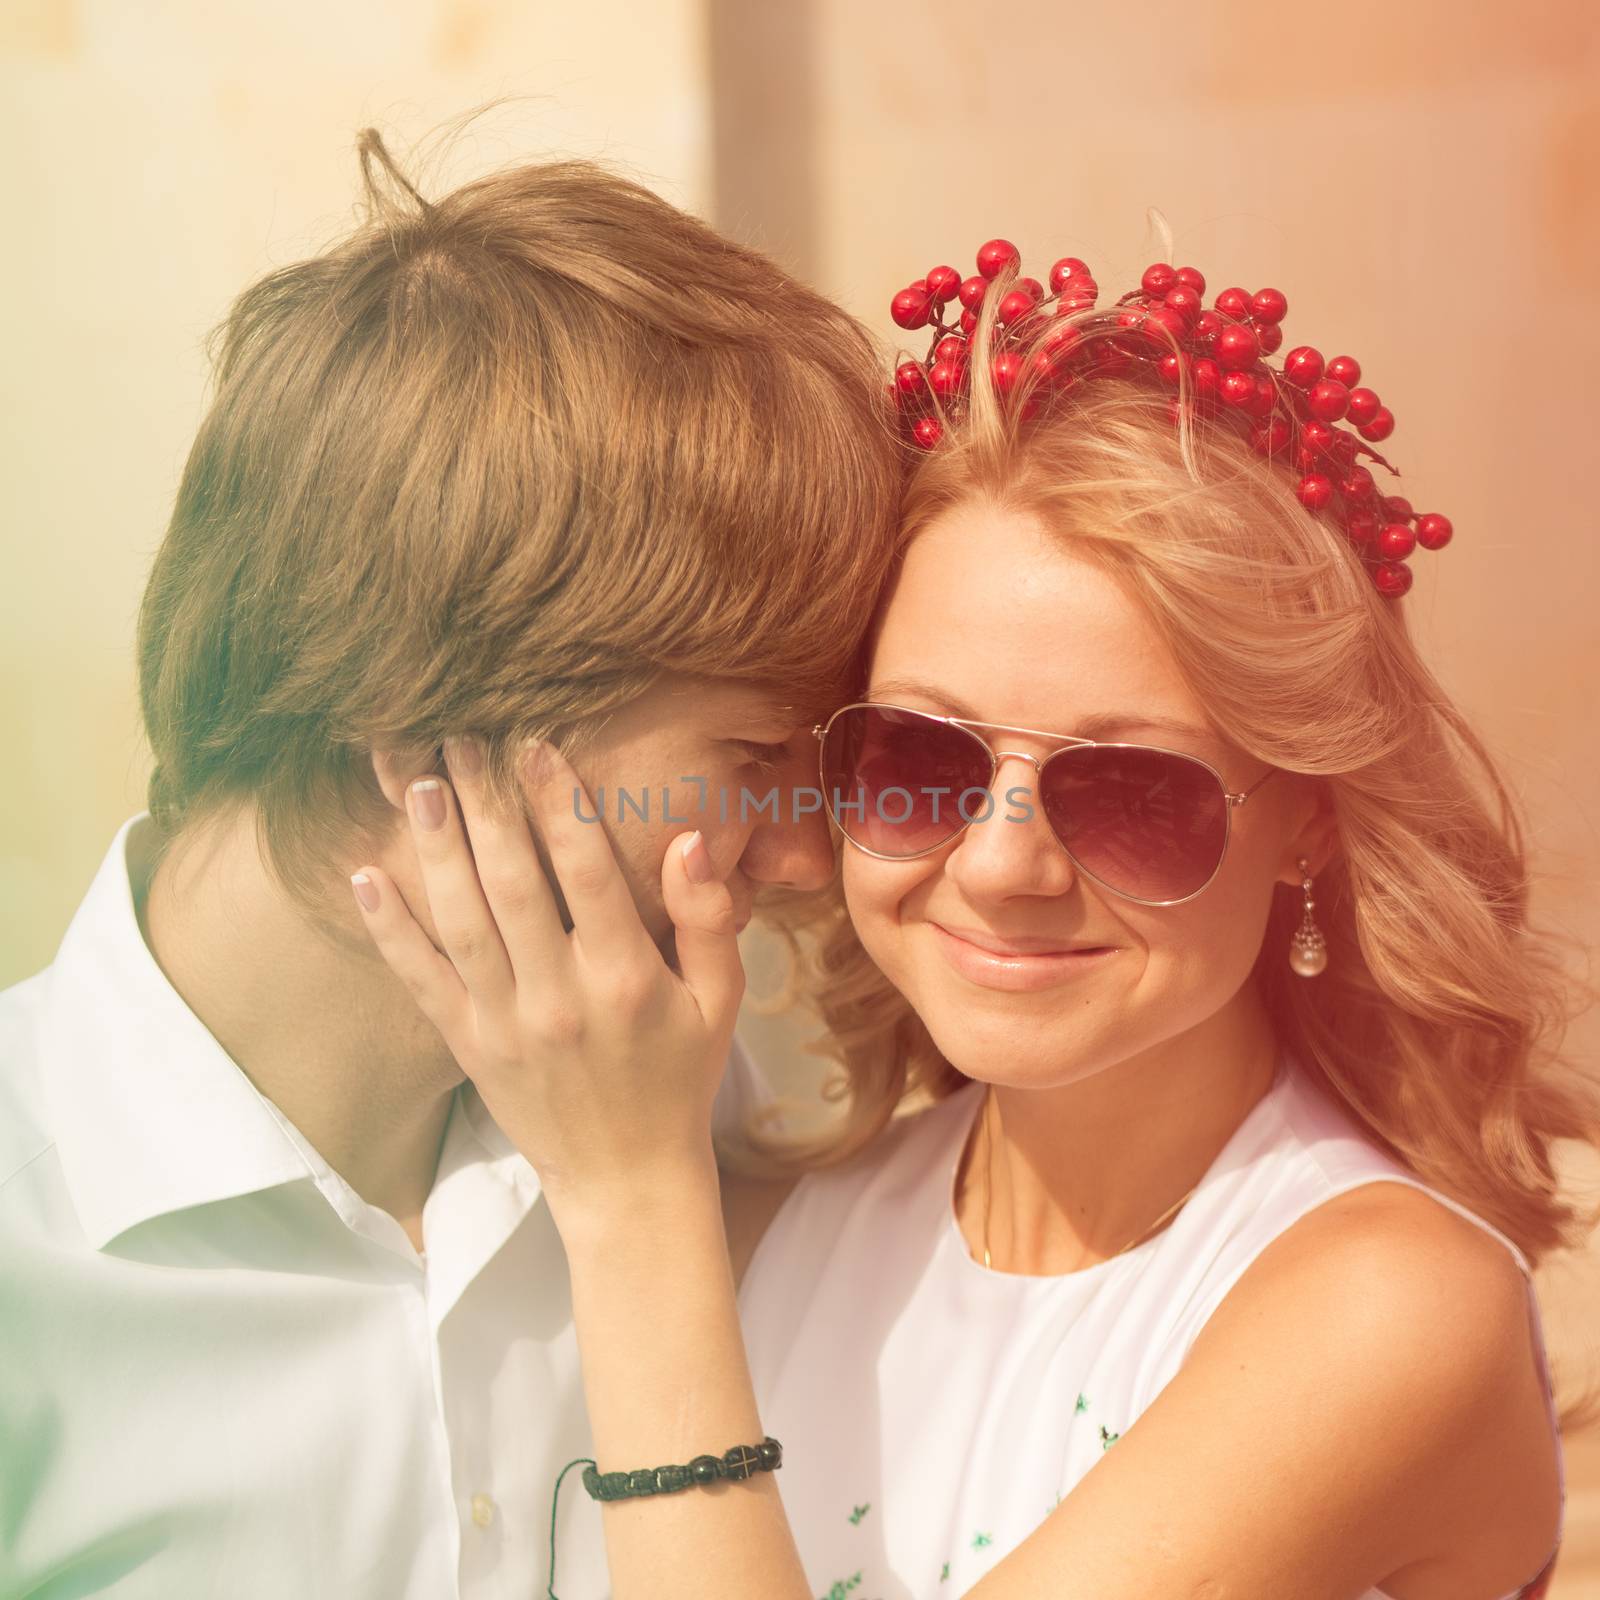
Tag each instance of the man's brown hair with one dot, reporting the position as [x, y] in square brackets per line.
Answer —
[491, 464]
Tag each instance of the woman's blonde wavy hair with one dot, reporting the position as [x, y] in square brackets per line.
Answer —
[1439, 1019]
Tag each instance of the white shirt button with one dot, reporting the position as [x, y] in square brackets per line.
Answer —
[483, 1509]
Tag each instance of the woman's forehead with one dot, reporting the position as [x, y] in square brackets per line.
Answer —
[992, 612]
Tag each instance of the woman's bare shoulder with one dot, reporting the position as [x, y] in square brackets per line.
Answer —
[1389, 1293]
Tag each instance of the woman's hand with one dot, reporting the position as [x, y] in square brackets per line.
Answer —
[598, 1061]
[601, 1064]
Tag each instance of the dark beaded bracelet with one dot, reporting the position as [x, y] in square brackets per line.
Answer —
[743, 1461]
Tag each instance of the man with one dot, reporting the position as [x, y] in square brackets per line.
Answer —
[280, 1312]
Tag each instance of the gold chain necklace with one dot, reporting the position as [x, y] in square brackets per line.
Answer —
[988, 1195]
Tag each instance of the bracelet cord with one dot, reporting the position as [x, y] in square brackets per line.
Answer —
[741, 1462]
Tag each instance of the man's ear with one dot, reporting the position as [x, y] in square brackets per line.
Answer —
[396, 769]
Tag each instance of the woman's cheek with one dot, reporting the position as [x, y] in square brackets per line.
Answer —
[874, 893]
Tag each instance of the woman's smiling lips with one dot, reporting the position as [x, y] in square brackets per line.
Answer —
[1017, 963]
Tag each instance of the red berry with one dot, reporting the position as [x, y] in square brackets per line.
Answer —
[1396, 541]
[1434, 531]
[1163, 327]
[1381, 426]
[1005, 369]
[1067, 273]
[972, 292]
[1047, 365]
[1061, 338]
[1238, 389]
[950, 348]
[968, 323]
[1014, 307]
[944, 283]
[1317, 436]
[944, 377]
[1364, 406]
[910, 307]
[1272, 436]
[1303, 366]
[1397, 508]
[1328, 400]
[1362, 525]
[1343, 448]
[1158, 279]
[1186, 303]
[1271, 336]
[1357, 486]
[1393, 578]
[1236, 348]
[995, 256]
[1080, 300]
[1316, 490]
[1190, 278]
[1345, 370]
[1264, 398]
[908, 378]
[928, 432]
[1207, 378]
[1269, 305]
[1206, 328]
[1234, 304]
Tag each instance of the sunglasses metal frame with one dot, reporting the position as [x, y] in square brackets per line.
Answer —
[1064, 742]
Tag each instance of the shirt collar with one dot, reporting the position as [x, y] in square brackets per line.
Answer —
[150, 1114]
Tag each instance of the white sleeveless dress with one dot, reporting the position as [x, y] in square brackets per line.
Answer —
[934, 1412]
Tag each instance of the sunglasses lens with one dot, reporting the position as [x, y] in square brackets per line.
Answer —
[1147, 823]
[894, 779]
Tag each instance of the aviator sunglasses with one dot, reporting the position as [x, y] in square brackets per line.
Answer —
[1148, 824]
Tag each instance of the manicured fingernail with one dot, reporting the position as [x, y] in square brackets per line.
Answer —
[697, 859]
[427, 797]
[465, 755]
[366, 890]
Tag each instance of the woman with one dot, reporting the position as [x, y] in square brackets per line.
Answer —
[1170, 885]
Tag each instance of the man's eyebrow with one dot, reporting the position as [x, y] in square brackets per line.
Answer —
[1091, 727]
[770, 714]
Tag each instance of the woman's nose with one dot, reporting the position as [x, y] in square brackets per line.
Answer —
[1009, 847]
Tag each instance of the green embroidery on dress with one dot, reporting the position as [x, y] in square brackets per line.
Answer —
[859, 1513]
[841, 1589]
[944, 1576]
[1107, 1439]
[1082, 1405]
[979, 1540]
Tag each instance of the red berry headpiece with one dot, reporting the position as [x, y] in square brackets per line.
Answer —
[1216, 358]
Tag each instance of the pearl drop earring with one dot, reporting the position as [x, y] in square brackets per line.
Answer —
[1308, 950]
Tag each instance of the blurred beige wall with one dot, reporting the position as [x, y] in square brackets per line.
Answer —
[161, 155]
[1416, 177]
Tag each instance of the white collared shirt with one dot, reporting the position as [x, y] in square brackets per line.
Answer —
[223, 1373]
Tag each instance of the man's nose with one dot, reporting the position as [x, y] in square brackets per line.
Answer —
[794, 850]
